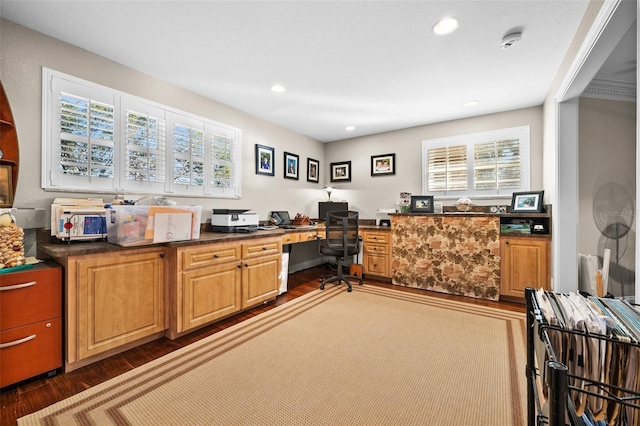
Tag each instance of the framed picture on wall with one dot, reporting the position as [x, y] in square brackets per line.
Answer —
[382, 165]
[265, 160]
[313, 170]
[341, 172]
[291, 166]
[6, 186]
[527, 202]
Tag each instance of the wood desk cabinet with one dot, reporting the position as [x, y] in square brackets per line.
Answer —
[376, 249]
[525, 262]
[219, 279]
[115, 301]
[31, 322]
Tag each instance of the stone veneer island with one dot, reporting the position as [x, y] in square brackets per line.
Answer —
[449, 253]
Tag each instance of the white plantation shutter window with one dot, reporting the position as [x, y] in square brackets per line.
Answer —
[99, 140]
[188, 150]
[224, 154]
[497, 165]
[488, 164]
[448, 168]
[82, 120]
[144, 155]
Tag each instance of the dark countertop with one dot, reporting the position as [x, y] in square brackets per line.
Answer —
[58, 249]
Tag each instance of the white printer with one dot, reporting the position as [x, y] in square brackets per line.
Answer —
[228, 220]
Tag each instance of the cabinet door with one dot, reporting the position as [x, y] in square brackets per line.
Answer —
[209, 294]
[524, 262]
[120, 300]
[260, 279]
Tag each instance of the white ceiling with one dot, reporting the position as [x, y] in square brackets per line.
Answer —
[375, 65]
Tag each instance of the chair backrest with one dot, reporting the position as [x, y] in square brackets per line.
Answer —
[342, 231]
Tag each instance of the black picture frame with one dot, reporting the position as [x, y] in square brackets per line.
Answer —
[527, 202]
[422, 204]
[291, 166]
[341, 171]
[265, 160]
[313, 170]
[383, 165]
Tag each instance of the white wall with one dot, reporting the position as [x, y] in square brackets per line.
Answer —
[607, 132]
[367, 193]
[23, 54]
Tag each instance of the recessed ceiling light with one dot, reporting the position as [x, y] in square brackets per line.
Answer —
[446, 26]
[349, 128]
[470, 103]
[277, 88]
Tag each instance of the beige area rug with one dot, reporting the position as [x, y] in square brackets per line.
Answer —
[371, 357]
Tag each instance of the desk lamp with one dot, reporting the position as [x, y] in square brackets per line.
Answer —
[329, 190]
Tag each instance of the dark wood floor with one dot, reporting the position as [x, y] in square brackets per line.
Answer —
[35, 394]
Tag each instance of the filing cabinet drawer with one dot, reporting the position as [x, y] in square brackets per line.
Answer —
[261, 247]
[30, 350]
[30, 296]
[377, 237]
[213, 254]
[376, 265]
[376, 248]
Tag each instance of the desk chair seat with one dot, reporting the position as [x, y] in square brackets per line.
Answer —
[341, 241]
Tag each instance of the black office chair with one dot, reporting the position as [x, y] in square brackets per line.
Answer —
[341, 240]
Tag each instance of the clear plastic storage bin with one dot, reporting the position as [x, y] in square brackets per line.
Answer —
[141, 225]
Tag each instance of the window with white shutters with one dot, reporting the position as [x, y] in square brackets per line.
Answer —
[448, 168]
[488, 164]
[97, 139]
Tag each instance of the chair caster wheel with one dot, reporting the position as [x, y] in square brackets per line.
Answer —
[322, 287]
[349, 290]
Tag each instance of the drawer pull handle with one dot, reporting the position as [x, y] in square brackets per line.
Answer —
[264, 248]
[17, 286]
[17, 342]
[215, 256]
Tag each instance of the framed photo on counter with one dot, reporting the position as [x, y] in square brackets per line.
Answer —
[527, 202]
[422, 204]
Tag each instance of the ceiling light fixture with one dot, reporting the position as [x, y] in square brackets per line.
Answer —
[470, 103]
[446, 26]
[349, 128]
[277, 88]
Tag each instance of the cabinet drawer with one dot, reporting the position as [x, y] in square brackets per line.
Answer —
[290, 238]
[261, 248]
[30, 350]
[377, 237]
[376, 265]
[30, 296]
[376, 248]
[307, 236]
[210, 255]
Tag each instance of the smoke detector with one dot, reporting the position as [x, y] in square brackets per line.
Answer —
[510, 40]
